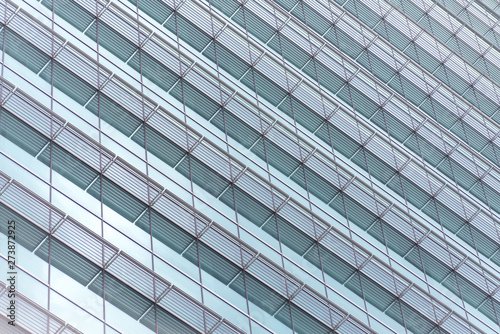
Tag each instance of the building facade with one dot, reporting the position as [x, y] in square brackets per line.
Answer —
[258, 166]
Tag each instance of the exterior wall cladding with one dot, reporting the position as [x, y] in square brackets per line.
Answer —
[286, 166]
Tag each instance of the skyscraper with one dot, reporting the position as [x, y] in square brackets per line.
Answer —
[258, 166]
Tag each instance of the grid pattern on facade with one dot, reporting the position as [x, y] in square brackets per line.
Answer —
[253, 166]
